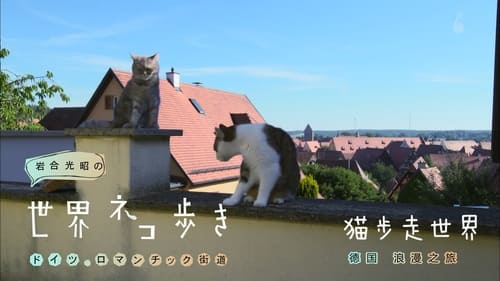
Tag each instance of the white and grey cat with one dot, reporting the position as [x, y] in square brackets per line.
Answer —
[139, 102]
[269, 171]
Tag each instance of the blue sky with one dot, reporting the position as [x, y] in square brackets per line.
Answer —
[337, 65]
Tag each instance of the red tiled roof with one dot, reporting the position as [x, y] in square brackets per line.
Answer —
[352, 143]
[466, 146]
[367, 157]
[418, 164]
[348, 155]
[443, 160]
[433, 176]
[298, 143]
[194, 149]
[398, 153]
[305, 157]
[325, 154]
[485, 145]
[481, 152]
[324, 144]
[426, 149]
[312, 146]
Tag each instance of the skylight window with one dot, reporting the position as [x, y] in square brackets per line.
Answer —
[197, 105]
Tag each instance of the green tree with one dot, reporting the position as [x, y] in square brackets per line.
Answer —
[22, 96]
[340, 183]
[461, 186]
[428, 160]
[419, 191]
[345, 133]
[467, 187]
[382, 174]
[308, 188]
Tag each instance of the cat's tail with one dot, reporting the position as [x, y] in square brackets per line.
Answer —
[96, 124]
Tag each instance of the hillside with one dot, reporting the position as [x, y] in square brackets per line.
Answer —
[478, 135]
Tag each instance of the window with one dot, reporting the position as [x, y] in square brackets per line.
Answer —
[196, 105]
[110, 101]
[240, 118]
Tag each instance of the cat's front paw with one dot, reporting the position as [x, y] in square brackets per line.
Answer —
[230, 201]
[127, 125]
[260, 204]
[278, 201]
[248, 199]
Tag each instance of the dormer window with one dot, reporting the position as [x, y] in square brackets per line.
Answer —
[240, 118]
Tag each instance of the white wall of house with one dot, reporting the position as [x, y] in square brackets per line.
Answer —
[99, 112]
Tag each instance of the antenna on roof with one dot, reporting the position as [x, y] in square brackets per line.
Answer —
[409, 122]
[356, 131]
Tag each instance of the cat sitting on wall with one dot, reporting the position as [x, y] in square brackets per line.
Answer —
[269, 171]
[137, 107]
[139, 102]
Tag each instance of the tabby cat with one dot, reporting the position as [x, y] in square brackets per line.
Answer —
[139, 102]
[269, 171]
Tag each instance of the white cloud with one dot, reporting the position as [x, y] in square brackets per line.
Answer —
[74, 38]
[445, 78]
[52, 19]
[258, 71]
[458, 24]
[77, 33]
[201, 41]
[103, 61]
[100, 32]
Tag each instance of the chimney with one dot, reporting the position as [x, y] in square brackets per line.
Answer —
[174, 79]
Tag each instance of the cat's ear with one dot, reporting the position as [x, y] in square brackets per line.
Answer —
[132, 56]
[218, 133]
[222, 127]
[155, 57]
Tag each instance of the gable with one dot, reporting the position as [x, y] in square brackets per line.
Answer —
[101, 109]
[312, 146]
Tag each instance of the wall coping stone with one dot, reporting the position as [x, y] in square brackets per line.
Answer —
[25, 133]
[123, 132]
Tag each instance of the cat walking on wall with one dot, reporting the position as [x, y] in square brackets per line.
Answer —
[269, 171]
